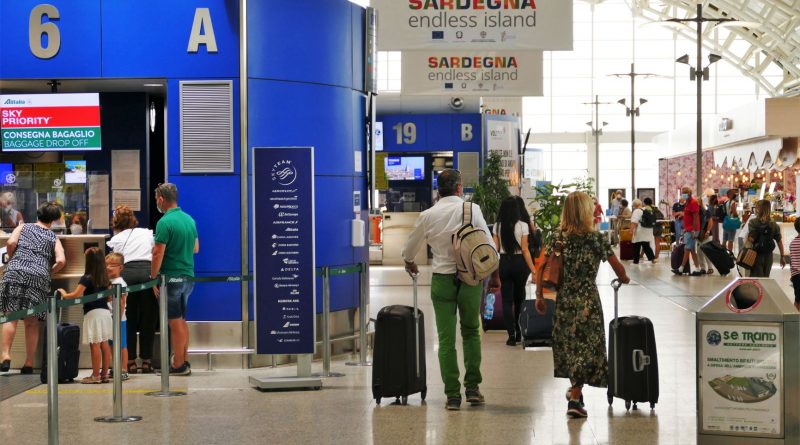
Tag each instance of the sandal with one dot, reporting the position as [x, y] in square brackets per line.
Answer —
[147, 367]
[132, 369]
[92, 380]
[104, 377]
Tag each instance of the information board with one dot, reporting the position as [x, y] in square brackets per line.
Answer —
[283, 236]
[50, 122]
[741, 384]
[501, 135]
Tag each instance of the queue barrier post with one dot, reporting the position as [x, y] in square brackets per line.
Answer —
[164, 338]
[52, 370]
[117, 416]
[362, 318]
[326, 335]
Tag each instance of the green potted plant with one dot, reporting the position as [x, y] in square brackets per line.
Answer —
[550, 202]
[492, 187]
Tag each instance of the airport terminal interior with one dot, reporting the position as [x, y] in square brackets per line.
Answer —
[311, 140]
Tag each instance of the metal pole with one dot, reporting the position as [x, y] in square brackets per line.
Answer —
[416, 322]
[633, 136]
[326, 335]
[362, 318]
[117, 417]
[597, 130]
[164, 344]
[52, 371]
[699, 79]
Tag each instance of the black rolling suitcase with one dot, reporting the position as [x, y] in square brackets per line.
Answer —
[398, 362]
[632, 359]
[722, 258]
[69, 341]
[536, 328]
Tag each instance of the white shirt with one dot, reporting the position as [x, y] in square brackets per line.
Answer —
[122, 283]
[134, 244]
[436, 227]
[520, 229]
[643, 234]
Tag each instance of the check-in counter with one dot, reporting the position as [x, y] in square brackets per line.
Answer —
[67, 278]
[396, 228]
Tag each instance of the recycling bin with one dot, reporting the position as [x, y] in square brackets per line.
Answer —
[748, 366]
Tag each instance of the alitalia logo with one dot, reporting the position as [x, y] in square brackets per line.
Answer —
[14, 102]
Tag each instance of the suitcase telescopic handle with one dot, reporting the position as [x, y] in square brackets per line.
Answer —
[616, 284]
[414, 277]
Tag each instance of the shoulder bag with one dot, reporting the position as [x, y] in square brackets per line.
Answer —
[746, 258]
[554, 265]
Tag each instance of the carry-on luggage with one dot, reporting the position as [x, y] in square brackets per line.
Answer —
[676, 258]
[722, 259]
[632, 358]
[398, 362]
[497, 322]
[69, 341]
[536, 328]
[625, 250]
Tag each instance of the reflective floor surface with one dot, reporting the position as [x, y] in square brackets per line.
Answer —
[525, 404]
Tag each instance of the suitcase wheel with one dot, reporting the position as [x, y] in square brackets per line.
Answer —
[627, 405]
[635, 408]
[610, 400]
[378, 400]
[404, 400]
[652, 405]
[423, 394]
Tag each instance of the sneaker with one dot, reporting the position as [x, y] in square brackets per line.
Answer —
[125, 376]
[474, 396]
[696, 273]
[453, 404]
[569, 390]
[183, 369]
[575, 410]
[710, 271]
[677, 272]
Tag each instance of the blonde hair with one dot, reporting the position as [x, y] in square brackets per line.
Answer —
[763, 208]
[117, 257]
[577, 217]
[636, 203]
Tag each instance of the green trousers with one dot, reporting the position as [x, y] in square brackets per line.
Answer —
[450, 297]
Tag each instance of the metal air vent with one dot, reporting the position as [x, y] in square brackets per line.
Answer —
[206, 127]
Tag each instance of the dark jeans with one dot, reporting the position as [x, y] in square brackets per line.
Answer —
[637, 247]
[796, 284]
[141, 310]
[762, 266]
[513, 277]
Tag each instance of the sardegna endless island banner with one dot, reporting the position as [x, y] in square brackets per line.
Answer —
[474, 24]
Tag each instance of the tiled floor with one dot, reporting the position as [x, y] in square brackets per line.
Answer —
[525, 404]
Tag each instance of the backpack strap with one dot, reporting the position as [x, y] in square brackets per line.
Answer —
[467, 218]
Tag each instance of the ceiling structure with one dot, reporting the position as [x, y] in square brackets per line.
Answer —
[776, 42]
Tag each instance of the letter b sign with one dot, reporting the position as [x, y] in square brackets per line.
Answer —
[466, 132]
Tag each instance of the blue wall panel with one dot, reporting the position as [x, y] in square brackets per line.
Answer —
[321, 31]
[149, 38]
[215, 302]
[79, 55]
[390, 133]
[439, 135]
[434, 132]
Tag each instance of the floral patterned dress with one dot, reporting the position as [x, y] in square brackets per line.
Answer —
[579, 338]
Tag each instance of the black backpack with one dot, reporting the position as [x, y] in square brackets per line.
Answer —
[764, 242]
[648, 218]
[719, 212]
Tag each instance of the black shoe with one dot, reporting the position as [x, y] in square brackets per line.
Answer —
[26, 370]
[511, 341]
[575, 410]
[677, 272]
[5, 366]
[183, 369]
[518, 337]
[474, 396]
[696, 273]
[569, 390]
[453, 404]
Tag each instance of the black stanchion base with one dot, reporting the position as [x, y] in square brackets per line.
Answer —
[165, 393]
[115, 419]
[330, 374]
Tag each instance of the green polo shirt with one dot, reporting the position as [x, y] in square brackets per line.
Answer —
[178, 232]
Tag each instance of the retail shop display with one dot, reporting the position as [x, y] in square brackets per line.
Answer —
[632, 358]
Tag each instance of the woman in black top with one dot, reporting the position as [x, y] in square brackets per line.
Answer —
[35, 253]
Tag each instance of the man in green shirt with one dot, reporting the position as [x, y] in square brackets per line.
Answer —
[176, 243]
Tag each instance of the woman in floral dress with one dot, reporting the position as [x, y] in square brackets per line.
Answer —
[579, 342]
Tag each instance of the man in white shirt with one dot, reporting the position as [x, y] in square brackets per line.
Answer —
[435, 227]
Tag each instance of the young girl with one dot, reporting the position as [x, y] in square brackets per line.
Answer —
[114, 266]
[97, 321]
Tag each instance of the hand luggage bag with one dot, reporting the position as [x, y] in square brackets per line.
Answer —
[536, 328]
[632, 358]
[625, 250]
[722, 259]
[676, 258]
[398, 363]
[69, 341]
[497, 322]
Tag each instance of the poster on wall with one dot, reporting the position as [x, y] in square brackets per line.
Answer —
[741, 378]
[474, 24]
[501, 135]
[504, 106]
[283, 236]
[472, 73]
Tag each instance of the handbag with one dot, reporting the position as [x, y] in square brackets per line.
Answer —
[626, 235]
[553, 268]
[746, 258]
[731, 223]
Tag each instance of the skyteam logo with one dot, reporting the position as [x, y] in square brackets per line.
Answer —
[284, 172]
[713, 338]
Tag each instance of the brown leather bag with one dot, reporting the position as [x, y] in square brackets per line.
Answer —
[747, 258]
[553, 269]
